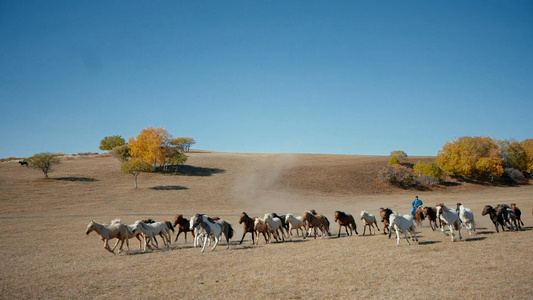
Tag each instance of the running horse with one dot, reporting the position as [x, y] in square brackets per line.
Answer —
[385, 214]
[347, 221]
[248, 226]
[183, 226]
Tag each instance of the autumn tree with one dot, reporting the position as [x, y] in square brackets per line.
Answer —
[471, 157]
[513, 155]
[44, 161]
[135, 167]
[428, 169]
[527, 145]
[110, 142]
[150, 146]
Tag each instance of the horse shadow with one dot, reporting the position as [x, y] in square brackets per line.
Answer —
[428, 242]
[485, 232]
[168, 188]
[475, 239]
[73, 178]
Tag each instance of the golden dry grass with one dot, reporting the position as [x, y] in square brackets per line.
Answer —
[46, 253]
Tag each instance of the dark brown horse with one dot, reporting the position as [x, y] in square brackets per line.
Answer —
[495, 217]
[183, 226]
[248, 226]
[431, 214]
[347, 221]
[385, 215]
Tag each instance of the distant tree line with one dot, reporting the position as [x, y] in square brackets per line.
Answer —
[475, 158]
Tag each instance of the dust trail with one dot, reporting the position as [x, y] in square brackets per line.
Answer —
[255, 190]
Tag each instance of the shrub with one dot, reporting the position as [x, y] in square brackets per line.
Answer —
[398, 175]
[394, 161]
[429, 169]
[513, 175]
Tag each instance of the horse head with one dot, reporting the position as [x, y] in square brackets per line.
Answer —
[90, 227]
[177, 220]
[244, 217]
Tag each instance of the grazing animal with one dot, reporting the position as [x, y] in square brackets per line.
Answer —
[275, 224]
[212, 229]
[495, 217]
[106, 232]
[385, 214]
[467, 218]
[248, 226]
[347, 221]
[451, 217]
[261, 227]
[183, 226]
[402, 223]
[314, 221]
[150, 230]
[419, 215]
[23, 163]
[518, 214]
[295, 223]
[370, 221]
[431, 214]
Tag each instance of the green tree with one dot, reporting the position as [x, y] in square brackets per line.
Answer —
[428, 169]
[122, 153]
[135, 167]
[110, 142]
[394, 161]
[44, 161]
[400, 155]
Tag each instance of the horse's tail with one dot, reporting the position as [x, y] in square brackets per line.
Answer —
[230, 230]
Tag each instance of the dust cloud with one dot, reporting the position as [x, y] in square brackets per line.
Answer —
[256, 190]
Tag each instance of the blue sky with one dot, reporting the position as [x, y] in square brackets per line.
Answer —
[343, 77]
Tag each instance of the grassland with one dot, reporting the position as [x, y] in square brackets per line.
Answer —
[46, 253]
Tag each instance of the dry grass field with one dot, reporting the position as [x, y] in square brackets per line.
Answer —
[46, 253]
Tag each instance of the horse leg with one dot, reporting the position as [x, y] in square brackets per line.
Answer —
[179, 232]
[106, 246]
[244, 233]
[397, 237]
[217, 238]
[116, 245]
[205, 243]
[407, 239]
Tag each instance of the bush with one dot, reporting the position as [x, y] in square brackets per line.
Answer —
[429, 169]
[394, 161]
[398, 175]
[513, 175]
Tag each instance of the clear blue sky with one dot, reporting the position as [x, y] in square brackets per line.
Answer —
[348, 77]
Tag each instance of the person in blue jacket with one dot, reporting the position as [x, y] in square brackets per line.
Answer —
[416, 203]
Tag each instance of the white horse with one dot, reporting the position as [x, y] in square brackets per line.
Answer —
[295, 223]
[211, 228]
[402, 223]
[370, 221]
[275, 226]
[151, 230]
[106, 232]
[261, 227]
[467, 218]
[451, 218]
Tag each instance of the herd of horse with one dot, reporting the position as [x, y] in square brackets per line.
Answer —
[205, 229]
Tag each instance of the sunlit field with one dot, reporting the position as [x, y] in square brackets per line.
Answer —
[46, 253]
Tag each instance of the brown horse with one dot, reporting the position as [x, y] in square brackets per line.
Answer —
[518, 214]
[419, 216]
[248, 226]
[183, 226]
[315, 221]
[385, 215]
[347, 221]
[431, 214]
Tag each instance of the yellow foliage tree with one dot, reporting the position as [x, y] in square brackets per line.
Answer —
[150, 145]
[527, 145]
[471, 157]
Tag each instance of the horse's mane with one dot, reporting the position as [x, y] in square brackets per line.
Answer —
[341, 213]
[116, 221]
